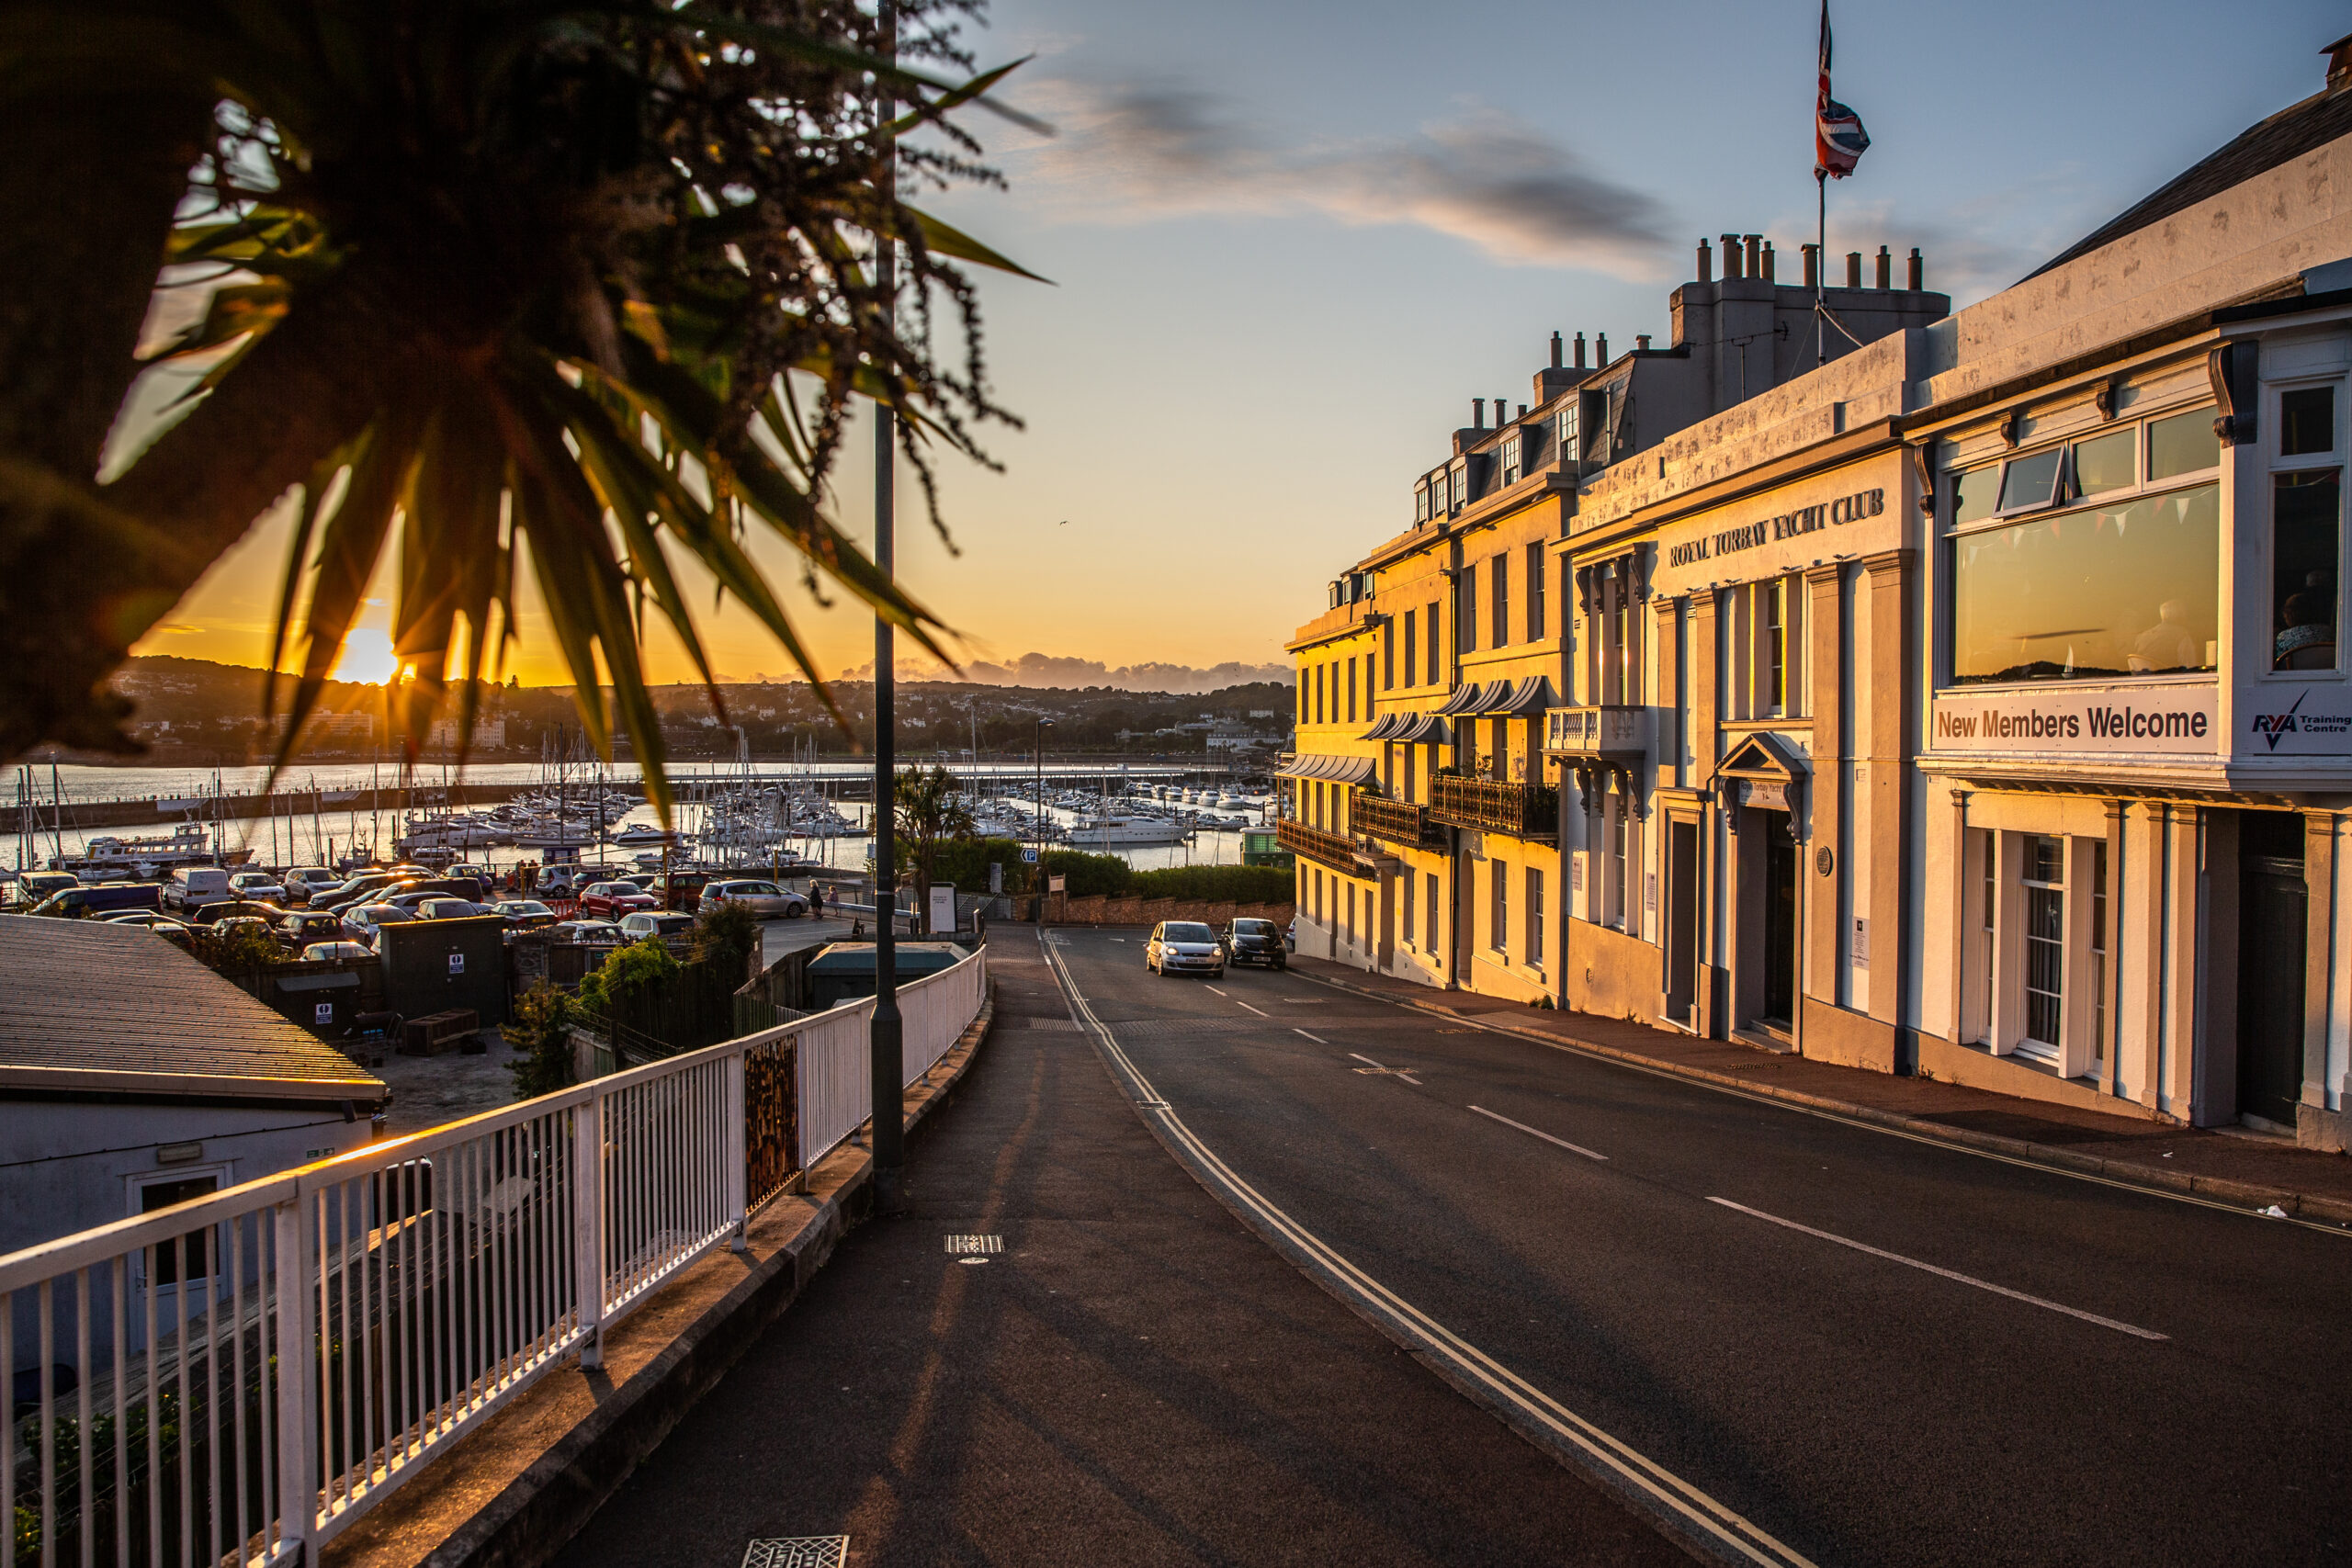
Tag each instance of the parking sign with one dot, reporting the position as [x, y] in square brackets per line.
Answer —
[1030, 854]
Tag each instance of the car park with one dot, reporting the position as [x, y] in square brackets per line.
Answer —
[1257, 941]
[257, 886]
[611, 900]
[1183, 947]
[764, 899]
[667, 924]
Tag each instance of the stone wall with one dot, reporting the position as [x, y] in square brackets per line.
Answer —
[1101, 910]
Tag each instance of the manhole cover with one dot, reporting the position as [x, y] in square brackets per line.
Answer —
[798, 1551]
[960, 1245]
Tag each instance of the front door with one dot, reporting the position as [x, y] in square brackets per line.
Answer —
[1779, 918]
[1681, 919]
[2271, 986]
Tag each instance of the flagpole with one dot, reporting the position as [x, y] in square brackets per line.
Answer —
[1820, 263]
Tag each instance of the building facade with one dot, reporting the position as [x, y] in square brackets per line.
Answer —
[1942, 694]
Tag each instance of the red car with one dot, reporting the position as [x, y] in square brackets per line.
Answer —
[611, 900]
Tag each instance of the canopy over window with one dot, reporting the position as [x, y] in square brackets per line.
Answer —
[1333, 770]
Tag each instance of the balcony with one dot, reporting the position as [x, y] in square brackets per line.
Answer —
[1332, 850]
[1520, 810]
[1394, 821]
[1607, 733]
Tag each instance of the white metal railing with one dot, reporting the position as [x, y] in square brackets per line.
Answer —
[241, 1376]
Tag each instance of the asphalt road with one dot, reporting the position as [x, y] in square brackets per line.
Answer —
[1874, 1349]
[1133, 1379]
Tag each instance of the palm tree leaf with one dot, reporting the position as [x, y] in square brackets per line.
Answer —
[841, 57]
[949, 241]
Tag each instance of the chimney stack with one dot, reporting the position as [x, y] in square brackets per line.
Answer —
[1523, 411]
[1754, 244]
[1556, 351]
[2339, 64]
[1642, 341]
[1853, 269]
[1579, 351]
[1885, 268]
[1731, 256]
[1812, 266]
[1478, 413]
[1601, 346]
[1770, 271]
[1916, 273]
[1706, 261]
[1499, 407]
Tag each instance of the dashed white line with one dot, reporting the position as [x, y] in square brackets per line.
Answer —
[1215, 992]
[1538, 1132]
[1236, 1001]
[1405, 1073]
[1317, 1038]
[1946, 1273]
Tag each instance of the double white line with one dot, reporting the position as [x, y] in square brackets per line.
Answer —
[1691, 1513]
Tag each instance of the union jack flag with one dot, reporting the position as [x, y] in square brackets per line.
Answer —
[1838, 139]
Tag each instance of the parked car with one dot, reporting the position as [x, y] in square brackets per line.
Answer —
[368, 921]
[1183, 947]
[299, 929]
[335, 952]
[259, 886]
[353, 890]
[109, 897]
[227, 925]
[442, 908]
[611, 900]
[663, 923]
[587, 933]
[305, 880]
[193, 886]
[222, 909]
[523, 914]
[764, 899]
[163, 925]
[1255, 942]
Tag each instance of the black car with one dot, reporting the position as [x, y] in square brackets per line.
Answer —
[1254, 942]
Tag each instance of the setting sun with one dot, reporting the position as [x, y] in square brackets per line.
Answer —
[367, 657]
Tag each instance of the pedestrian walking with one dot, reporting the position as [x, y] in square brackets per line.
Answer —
[816, 900]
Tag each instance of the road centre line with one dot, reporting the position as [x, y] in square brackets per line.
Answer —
[1609, 1460]
[1215, 992]
[1372, 1066]
[1947, 1273]
[1531, 1132]
[1317, 1038]
[1236, 1001]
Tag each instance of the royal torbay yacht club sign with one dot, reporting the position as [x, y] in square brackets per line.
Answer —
[1831, 516]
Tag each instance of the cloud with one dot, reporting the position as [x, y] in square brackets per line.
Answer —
[1056, 671]
[1135, 152]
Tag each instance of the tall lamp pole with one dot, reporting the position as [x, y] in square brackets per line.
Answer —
[888, 1039]
[1039, 756]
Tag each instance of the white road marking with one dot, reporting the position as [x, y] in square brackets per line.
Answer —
[1947, 1273]
[1213, 991]
[1405, 1073]
[1611, 1458]
[1236, 1001]
[1119, 939]
[1535, 1133]
[1317, 1038]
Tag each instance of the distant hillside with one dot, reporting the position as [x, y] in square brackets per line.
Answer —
[1048, 671]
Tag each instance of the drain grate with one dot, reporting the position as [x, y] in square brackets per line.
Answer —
[959, 1246]
[798, 1551]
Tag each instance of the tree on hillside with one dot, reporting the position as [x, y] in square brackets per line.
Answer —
[520, 283]
[929, 813]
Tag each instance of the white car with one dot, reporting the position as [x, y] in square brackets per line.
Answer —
[1183, 947]
[305, 880]
[764, 899]
[257, 886]
[663, 923]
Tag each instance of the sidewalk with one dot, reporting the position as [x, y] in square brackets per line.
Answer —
[2253, 1170]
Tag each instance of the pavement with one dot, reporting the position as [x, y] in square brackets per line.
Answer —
[1133, 1379]
[2252, 1168]
[1872, 1346]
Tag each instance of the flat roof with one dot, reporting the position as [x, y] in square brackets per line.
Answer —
[90, 1006]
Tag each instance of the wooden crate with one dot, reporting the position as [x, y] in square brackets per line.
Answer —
[437, 1034]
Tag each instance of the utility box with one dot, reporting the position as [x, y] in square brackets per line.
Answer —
[434, 966]
[844, 970]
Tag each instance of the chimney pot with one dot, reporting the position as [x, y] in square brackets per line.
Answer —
[1754, 244]
[2339, 64]
[1885, 268]
[1916, 273]
[1642, 341]
[1706, 261]
[1523, 411]
[1556, 351]
[1770, 271]
[1730, 255]
[1579, 351]
[1601, 346]
[1812, 266]
[1478, 413]
[1853, 269]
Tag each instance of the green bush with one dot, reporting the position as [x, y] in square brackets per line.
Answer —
[1216, 884]
[541, 1028]
[1090, 874]
[628, 974]
[727, 935]
[965, 863]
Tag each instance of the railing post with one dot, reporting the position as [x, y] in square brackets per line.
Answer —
[297, 1376]
[588, 1225]
[736, 1106]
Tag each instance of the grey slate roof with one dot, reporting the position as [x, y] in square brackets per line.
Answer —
[85, 1005]
[2288, 134]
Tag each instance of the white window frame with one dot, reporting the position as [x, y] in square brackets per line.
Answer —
[2338, 458]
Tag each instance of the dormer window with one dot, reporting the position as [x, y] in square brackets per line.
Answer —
[1420, 503]
[1571, 447]
[1510, 460]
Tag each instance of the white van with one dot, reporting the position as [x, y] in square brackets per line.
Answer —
[193, 886]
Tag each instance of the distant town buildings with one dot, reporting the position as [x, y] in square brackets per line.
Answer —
[1942, 694]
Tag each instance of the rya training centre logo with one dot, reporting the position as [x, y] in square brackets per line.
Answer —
[2273, 726]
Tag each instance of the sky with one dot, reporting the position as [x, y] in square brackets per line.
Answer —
[1289, 242]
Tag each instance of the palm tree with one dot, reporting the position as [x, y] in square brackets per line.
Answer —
[563, 286]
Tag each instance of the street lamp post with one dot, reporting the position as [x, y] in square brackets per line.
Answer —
[1043, 726]
[887, 1040]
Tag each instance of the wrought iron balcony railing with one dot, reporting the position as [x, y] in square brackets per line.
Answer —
[1394, 821]
[1333, 849]
[1521, 810]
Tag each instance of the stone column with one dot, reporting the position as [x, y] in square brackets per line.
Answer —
[1887, 747]
[1824, 678]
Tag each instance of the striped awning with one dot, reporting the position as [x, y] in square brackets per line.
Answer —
[1521, 699]
[1426, 728]
[1390, 723]
[1471, 698]
[1334, 769]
